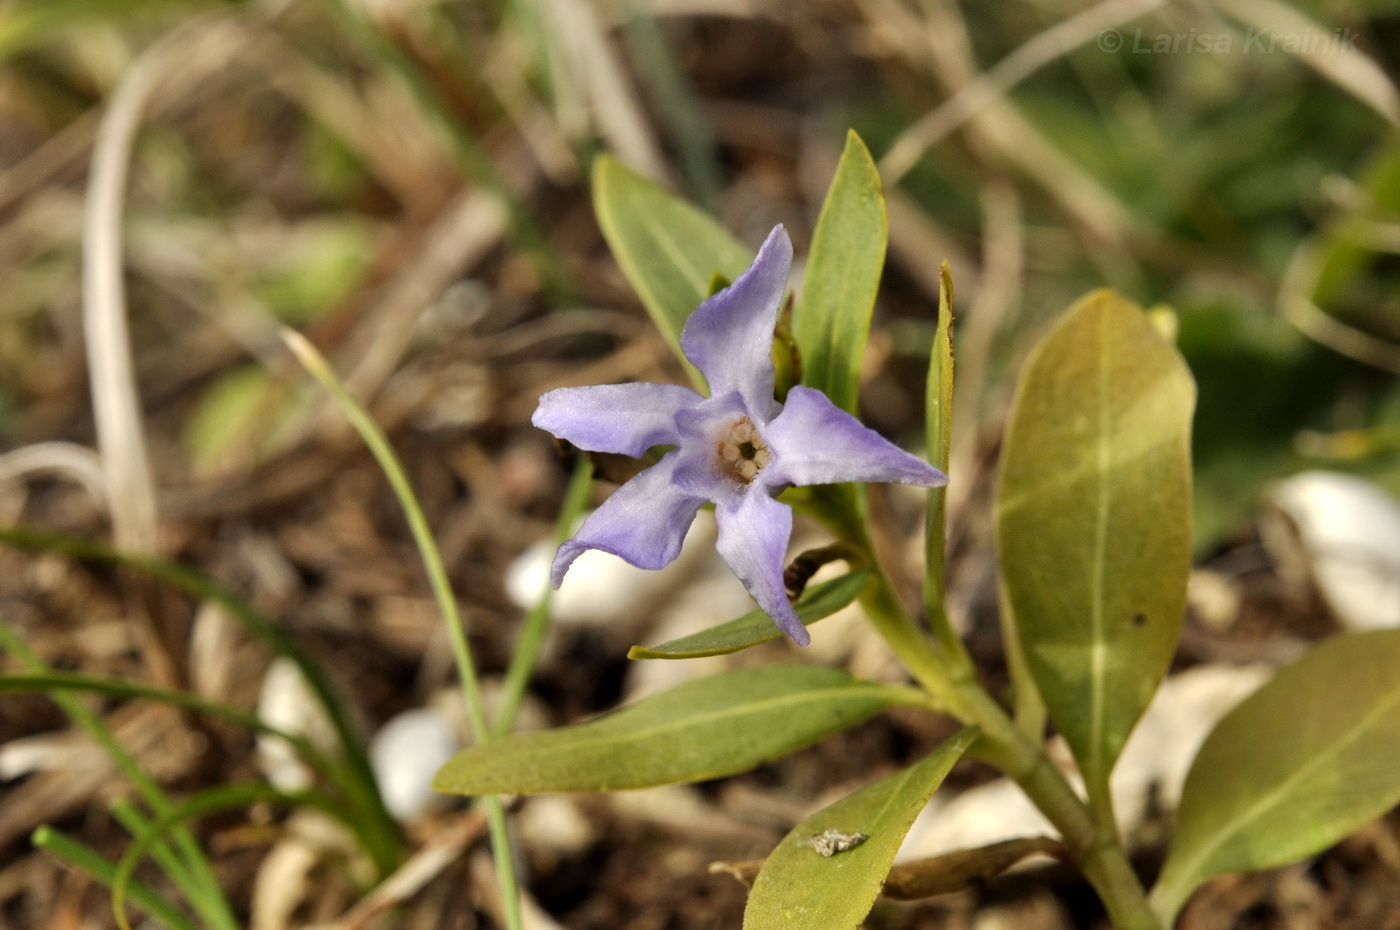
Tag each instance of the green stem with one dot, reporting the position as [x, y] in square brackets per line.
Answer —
[522, 660]
[844, 509]
[924, 662]
[441, 586]
[1094, 845]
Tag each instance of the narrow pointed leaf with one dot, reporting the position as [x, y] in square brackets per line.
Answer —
[1299, 764]
[799, 887]
[1093, 520]
[669, 249]
[938, 403]
[702, 729]
[938, 406]
[89, 861]
[832, 319]
[756, 627]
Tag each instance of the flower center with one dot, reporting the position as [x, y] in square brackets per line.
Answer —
[741, 451]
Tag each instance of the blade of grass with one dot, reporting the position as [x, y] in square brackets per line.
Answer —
[162, 852]
[938, 402]
[379, 447]
[388, 847]
[214, 800]
[527, 650]
[67, 459]
[121, 435]
[115, 687]
[675, 101]
[88, 861]
[991, 86]
[203, 892]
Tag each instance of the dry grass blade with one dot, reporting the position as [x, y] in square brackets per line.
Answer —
[116, 404]
[1298, 308]
[120, 435]
[79, 463]
[421, 868]
[974, 97]
[998, 126]
[1339, 61]
[618, 112]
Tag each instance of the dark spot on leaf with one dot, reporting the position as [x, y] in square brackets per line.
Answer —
[1139, 619]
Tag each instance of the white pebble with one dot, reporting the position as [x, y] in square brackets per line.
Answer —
[1349, 532]
[405, 755]
[288, 703]
[601, 588]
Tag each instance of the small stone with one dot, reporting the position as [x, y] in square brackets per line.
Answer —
[288, 703]
[405, 754]
[1345, 533]
[600, 588]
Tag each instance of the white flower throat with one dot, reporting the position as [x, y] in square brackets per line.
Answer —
[741, 451]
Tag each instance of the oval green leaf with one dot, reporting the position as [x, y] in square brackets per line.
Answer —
[832, 318]
[702, 729]
[1093, 520]
[1299, 764]
[668, 249]
[755, 627]
[800, 887]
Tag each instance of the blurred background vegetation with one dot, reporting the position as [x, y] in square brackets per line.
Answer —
[406, 181]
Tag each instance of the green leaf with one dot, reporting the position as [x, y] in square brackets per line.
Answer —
[226, 416]
[1093, 521]
[755, 627]
[938, 395]
[702, 729]
[832, 319]
[799, 887]
[938, 403]
[1299, 764]
[669, 249]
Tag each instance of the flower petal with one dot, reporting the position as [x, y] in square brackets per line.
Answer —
[730, 336]
[643, 522]
[816, 442]
[624, 418]
[754, 531]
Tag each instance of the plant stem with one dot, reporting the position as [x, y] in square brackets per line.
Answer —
[1094, 845]
[527, 650]
[441, 586]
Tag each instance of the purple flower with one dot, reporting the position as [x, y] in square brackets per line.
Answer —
[738, 447]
